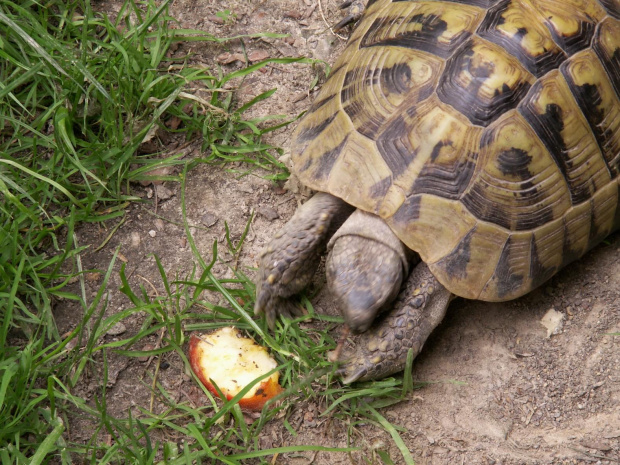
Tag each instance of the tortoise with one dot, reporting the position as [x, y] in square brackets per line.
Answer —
[468, 148]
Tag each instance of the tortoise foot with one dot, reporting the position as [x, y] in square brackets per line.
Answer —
[289, 261]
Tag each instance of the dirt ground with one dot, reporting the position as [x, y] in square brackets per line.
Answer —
[501, 391]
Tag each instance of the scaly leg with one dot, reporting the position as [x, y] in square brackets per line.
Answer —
[382, 350]
[289, 261]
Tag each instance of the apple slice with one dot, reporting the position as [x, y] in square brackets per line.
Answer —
[232, 361]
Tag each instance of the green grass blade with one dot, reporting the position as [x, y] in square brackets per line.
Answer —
[48, 443]
[407, 457]
[29, 172]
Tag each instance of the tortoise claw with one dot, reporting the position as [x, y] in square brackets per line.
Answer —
[349, 19]
[350, 375]
[356, 8]
[360, 364]
[273, 307]
[355, 366]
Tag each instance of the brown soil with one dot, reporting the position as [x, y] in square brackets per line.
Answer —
[501, 391]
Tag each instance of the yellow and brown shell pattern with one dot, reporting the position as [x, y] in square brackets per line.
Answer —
[485, 132]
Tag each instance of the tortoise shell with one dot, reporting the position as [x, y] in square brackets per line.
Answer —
[485, 132]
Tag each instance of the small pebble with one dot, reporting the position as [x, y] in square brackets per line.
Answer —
[146, 348]
[152, 233]
[116, 330]
[246, 189]
[163, 193]
[209, 219]
[269, 213]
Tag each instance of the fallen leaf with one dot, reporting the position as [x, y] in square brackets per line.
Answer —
[293, 14]
[162, 171]
[93, 277]
[258, 55]
[173, 123]
[228, 58]
[216, 19]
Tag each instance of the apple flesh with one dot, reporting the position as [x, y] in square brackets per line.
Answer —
[231, 361]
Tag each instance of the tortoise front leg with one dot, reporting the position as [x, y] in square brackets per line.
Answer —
[382, 350]
[289, 261]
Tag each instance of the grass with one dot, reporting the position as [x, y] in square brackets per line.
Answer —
[79, 94]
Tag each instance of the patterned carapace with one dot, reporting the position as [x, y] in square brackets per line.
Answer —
[485, 132]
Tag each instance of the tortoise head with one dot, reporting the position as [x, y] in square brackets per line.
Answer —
[365, 269]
